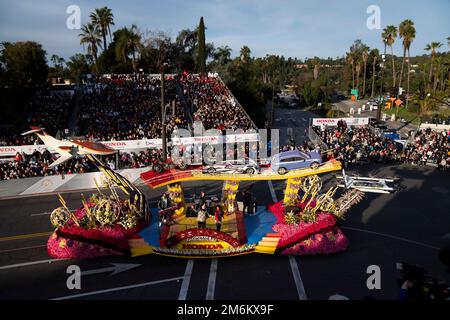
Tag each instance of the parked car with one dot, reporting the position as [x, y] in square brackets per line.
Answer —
[233, 166]
[291, 160]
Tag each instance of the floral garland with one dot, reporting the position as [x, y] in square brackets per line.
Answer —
[63, 248]
[195, 232]
[223, 252]
[292, 234]
[70, 240]
[325, 243]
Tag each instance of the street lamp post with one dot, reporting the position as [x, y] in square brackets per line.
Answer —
[163, 116]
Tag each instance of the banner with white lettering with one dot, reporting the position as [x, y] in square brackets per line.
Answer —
[332, 122]
[131, 145]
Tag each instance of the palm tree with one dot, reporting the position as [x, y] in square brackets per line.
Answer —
[406, 31]
[390, 34]
[383, 36]
[103, 18]
[90, 36]
[374, 53]
[433, 46]
[358, 70]
[410, 35]
[245, 54]
[365, 57]
[446, 72]
[316, 63]
[222, 54]
[351, 62]
[129, 42]
[437, 76]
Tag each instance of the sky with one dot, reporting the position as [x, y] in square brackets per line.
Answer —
[293, 28]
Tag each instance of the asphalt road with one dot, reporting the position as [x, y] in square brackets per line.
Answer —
[382, 230]
[292, 120]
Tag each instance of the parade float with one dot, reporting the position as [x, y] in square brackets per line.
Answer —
[104, 222]
[304, 222]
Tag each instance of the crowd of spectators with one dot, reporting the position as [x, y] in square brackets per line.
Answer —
[120, 107]
[37, 165]
[357, 144]
[354, 145]
[125, 107]
[429, 146]
[212, 103]
[46, 109]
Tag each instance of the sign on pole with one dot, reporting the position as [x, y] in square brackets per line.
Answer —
[354, 92]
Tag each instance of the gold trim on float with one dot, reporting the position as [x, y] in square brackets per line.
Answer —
[198, 175]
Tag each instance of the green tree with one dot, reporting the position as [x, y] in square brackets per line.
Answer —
[78, 65]
[364, 57]
[103, 19]
[438, 61]
[245, 55]
[407, 31]
[374, 54]
[222, 55]
[316, 63]
[128, 43]
[156, 50]
[351, 62]
[354, 59]
[185, 46]
[58, 66]
[433, 46]
[389, 35]
[24, 64]
[90, 36]
[201, 54]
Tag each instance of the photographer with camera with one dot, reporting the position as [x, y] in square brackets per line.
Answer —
[417, 285]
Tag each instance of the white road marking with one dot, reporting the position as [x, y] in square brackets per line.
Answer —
[393, 237]
[115, 269]
[117, 289]
[23, 248]
[272, 191]
[297, 279]
[12, 266]
[48, 213]
[212, 280]
[294, 267]
[40, 214]
[186, 280]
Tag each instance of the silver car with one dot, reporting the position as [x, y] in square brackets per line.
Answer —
[233, 166]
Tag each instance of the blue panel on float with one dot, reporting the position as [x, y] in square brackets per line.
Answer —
[151, 233]
[258, 225]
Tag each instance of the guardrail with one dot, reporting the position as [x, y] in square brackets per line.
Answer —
[26, 187]
[314, 138]
[237, 102]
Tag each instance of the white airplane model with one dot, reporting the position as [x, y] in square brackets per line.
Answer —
[365, 184]
[69, 148]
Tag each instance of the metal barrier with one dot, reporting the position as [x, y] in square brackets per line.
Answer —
[237, 102]
[314, 138]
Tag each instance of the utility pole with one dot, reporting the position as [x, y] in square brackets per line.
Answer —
[163, 116]
[383, 58]
[273, 105]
